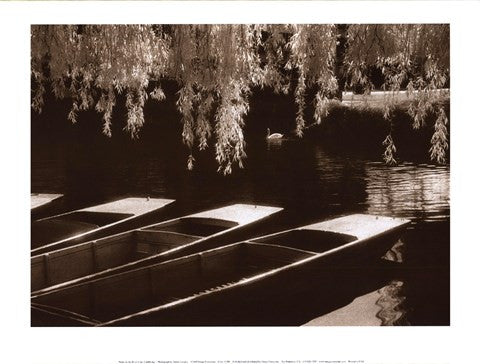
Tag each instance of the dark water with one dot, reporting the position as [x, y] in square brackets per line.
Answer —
[308, 180]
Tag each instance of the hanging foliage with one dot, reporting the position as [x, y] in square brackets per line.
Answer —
[216, 67]
[413, 57]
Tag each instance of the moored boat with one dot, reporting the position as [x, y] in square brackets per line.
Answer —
[77, 226]
[41, 200]
[43, 203]
[183, 290]
[145, 246]
[342, 238]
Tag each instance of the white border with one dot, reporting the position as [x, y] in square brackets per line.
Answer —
[20, 343]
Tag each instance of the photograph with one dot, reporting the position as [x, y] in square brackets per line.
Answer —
[239, 174]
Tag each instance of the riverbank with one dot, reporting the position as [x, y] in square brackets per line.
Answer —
[355, 124]
[376, 99]
[358, 123]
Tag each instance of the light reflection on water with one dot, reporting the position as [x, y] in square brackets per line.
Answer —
[418, 192]
[308, 181]
[390, 303]
[408, 191]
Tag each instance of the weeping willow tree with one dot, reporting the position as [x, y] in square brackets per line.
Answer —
[217, 66]
[414, 57]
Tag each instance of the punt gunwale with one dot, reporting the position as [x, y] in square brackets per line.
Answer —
[50, 198]
[51, 246]
[139, 263]
[312, 256]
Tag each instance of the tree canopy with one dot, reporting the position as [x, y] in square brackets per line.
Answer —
[217, 67]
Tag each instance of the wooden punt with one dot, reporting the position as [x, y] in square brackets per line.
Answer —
[144, 246]
[188, 290]
[44, 203]
[41, 200]
[77, 226]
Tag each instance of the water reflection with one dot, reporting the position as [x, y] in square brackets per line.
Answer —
[419, 192]
[312, 184]
[390, 303]
[415, 192]
[275, 144]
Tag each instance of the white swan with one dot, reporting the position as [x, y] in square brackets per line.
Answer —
[274, 135]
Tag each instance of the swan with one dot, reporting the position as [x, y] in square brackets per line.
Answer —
[274, 135]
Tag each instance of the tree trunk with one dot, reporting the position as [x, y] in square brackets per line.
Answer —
[341, 48]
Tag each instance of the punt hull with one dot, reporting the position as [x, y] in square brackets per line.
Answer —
[75, 227]
[42, 203]
[235, 305]
[142, 247]
[208, 288]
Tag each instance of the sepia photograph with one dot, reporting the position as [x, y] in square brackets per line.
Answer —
[248, 174]
[239, 182]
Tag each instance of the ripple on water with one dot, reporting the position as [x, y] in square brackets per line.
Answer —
[415, 192]
[306, 180]
[390, 302]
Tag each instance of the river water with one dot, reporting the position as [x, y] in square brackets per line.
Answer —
[409, 286]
